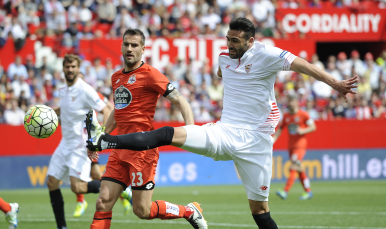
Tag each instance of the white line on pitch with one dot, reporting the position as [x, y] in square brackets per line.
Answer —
[246, 213]
[327, 213]
[296, 213]
[210, 224]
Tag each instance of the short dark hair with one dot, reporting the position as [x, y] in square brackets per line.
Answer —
[135, 32]
[69, 58]
[243, 24]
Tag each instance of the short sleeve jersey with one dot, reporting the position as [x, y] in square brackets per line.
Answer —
[135, 97]
[249, 98]
[102, 97]
[292, 122]
[75, 102]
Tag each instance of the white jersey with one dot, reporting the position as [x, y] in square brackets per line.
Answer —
[75, 102]
[249, 98]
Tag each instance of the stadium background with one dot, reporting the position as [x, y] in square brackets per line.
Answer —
[183, 40]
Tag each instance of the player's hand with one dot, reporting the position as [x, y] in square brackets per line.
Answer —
[92, 155]
[300, 131]
[345, 86]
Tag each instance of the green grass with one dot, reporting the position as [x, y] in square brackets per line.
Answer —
[338, 205]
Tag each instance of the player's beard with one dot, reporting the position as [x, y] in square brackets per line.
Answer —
[239, 52]
[69, 79]
[132, 62]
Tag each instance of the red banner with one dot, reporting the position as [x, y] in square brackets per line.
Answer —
[338, 134]
[336, 24]
[8, 52]
[163, 51]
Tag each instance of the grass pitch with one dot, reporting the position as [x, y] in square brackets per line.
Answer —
[335, 205]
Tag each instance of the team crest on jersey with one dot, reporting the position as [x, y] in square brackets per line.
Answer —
[297, 119]
[122, 97]
[73, 98]
[248, 68]
[132, 79]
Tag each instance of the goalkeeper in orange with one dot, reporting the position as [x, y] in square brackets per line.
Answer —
[299, 124]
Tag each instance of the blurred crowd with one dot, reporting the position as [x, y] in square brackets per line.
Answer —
[71, 20]
[324, 103]
[23, 85]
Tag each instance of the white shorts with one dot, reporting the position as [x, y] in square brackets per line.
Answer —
[64, 164]
[251, 151]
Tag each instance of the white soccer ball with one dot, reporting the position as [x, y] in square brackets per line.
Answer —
[40, 121]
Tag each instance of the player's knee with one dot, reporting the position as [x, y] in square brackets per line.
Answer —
[103, 204]
[75, 188]
[260, 211]
[52, 183]
[95, 175]
[296, 165]
[100, 205]
[259, 208]
[49, 183]
[141, 212]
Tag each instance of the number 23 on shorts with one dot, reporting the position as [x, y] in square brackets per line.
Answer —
[139, 179]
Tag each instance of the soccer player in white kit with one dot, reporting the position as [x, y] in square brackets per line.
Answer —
[70, 163]
[249, 116]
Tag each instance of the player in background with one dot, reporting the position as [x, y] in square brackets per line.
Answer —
[96, 174]
[299, 124]
[249, 117]
[10, 211]
[70, 163]
[137, 88]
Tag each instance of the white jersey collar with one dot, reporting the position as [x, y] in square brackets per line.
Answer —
[246, 54]
[78, 81]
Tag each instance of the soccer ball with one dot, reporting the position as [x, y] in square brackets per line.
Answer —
[40, 121]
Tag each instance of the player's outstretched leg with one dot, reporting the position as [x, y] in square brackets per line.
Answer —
[139, 141]
[10, 211]
[94, 130]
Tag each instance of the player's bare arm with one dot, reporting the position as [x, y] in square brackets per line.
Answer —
[343, 87]
[111, 124]
[57, 110]
[310, 128]
[106, 113]
[110, 105]
[219, 73]
[177, 99]
[277, 134]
